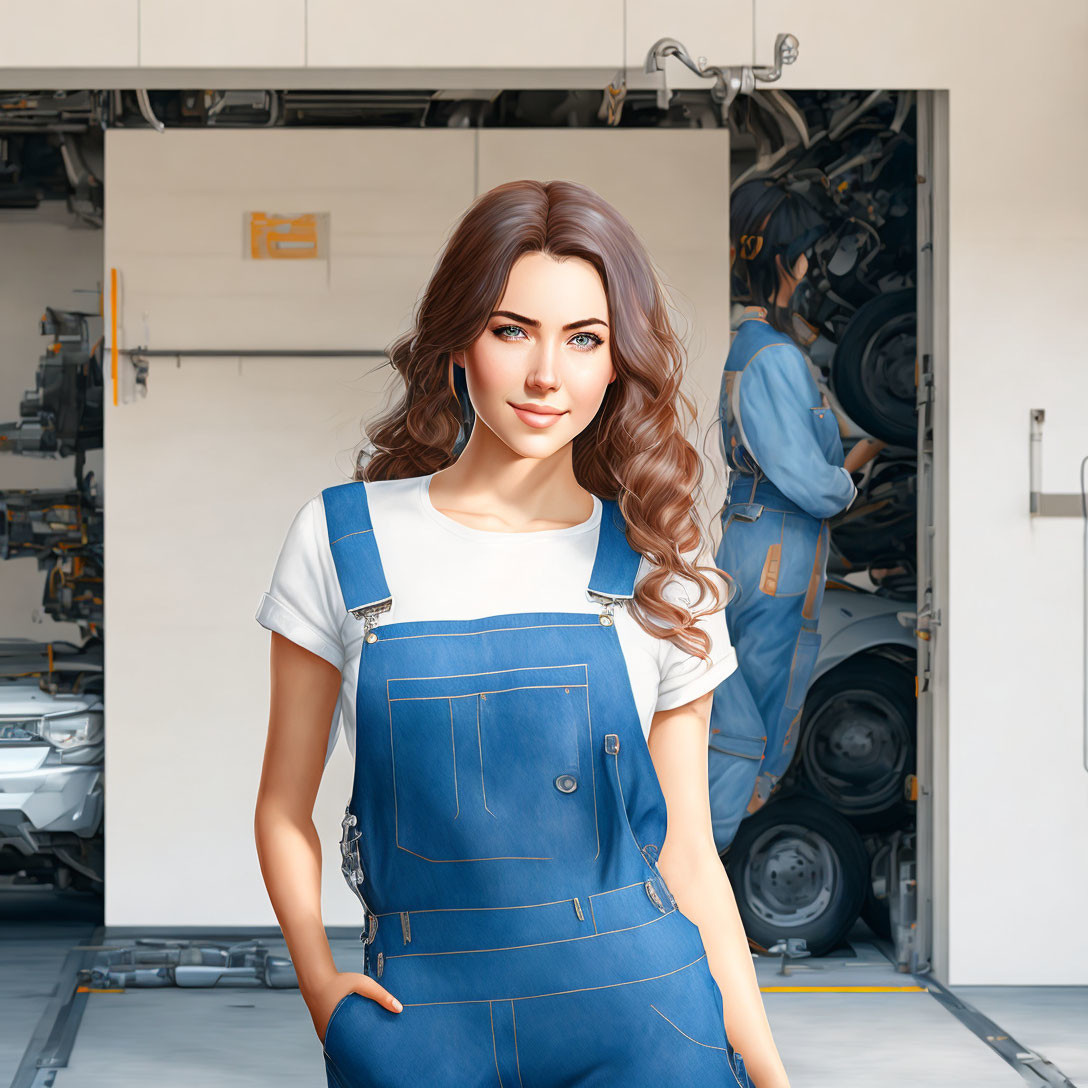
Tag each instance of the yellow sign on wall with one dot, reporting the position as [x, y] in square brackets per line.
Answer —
[275, 237]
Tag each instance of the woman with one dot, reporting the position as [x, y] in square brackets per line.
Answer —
[787, 477]
[526, 689]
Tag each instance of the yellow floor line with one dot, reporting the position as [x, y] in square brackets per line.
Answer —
[842, 989]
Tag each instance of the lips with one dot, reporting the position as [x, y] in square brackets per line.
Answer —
[538, 409]
[537, 415]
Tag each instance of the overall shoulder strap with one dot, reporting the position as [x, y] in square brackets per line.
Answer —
[616, 564]
[354, 547]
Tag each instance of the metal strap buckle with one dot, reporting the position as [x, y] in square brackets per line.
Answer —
[606, 617]
[351, 865]
[369, 614]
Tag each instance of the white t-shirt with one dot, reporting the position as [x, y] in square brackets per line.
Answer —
[496, 572]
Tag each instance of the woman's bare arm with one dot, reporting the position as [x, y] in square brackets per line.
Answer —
[303, 696]
[695, 875]
[862, 452]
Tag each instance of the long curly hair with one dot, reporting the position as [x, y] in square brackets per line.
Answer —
[634, 451]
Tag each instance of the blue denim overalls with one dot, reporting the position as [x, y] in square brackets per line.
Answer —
[502, 836]
[786, 478]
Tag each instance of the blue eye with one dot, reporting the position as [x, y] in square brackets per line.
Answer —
[596, 340]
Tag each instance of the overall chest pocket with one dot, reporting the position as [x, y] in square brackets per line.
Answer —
[494, 765]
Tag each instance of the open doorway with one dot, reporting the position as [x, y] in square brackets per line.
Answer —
[845, 843]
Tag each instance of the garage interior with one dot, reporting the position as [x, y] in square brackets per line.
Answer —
[133, 320]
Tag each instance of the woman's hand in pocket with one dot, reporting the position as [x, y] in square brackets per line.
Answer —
[325, 1001]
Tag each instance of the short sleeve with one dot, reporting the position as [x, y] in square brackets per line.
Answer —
[685, 676]
[303, 601]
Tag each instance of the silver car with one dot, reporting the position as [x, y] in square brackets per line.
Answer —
[51, 762]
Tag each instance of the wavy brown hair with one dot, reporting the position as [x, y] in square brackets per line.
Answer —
[634, 451]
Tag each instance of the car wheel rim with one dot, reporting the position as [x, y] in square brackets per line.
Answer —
[790, 875]
[855, 751]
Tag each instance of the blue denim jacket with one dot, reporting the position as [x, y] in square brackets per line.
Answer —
[775, 424]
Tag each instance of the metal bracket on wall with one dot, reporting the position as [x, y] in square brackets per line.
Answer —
[1054, 505]
[728, 81]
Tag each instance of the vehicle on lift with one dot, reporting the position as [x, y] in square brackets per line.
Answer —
[816, 854]
[836, 837]
[52, 763]
[51, 693]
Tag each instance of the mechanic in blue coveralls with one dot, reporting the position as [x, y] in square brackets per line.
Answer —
[787, 477]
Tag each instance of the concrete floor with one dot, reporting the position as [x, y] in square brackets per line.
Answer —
[237, 1036]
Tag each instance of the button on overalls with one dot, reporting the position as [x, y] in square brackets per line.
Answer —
[502, 836]
[777, 435]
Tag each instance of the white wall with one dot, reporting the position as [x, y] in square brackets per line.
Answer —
[113, 42]
[207, 470]
[47, 258]
[1017, 792]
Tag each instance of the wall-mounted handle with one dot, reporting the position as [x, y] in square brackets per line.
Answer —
[1062, 506]
[1054, 505]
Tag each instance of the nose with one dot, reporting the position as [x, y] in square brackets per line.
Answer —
[543, 373]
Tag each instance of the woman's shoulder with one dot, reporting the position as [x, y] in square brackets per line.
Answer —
[680, 588]
[379, 492]
[766, 340]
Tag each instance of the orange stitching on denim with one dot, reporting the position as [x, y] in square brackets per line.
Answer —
[358, 532]
[528, 687]
[496, 672]
[458, 861]
[453, 746]
[516, 906]
[473, 694]
[517, 1058]
[593, 765]
[609, 891]
[480, 748]
[494, 1048]
[612, 891]
[627, 821]
[534, 944]
[558, 993]
[819, 561]
[487, 631]
[709, 1046]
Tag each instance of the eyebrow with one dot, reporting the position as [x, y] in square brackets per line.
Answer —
[536, 324]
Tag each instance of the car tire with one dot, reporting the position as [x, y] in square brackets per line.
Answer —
[798, 869]
[872, 372]
[858, 741]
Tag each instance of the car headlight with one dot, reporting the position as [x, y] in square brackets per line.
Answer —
[67, 731]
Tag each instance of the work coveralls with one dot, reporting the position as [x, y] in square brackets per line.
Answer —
[781, 443]
[502, 836]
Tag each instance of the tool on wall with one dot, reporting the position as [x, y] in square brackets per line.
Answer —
[1061, 505]
[728, 81]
